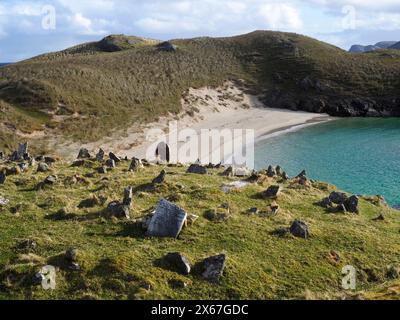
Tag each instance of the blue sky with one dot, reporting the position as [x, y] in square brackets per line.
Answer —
[28, 27]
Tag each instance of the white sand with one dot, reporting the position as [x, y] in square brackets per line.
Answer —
[227, 107]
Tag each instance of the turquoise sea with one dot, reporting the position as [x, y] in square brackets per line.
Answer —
[360, 155]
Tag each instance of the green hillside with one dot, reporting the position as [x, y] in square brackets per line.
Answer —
[105, 85]
[114, 259]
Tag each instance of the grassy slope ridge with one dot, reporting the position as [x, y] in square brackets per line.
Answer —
[119, 262]
[99, 90]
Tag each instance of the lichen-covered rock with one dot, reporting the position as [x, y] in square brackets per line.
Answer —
[178, 262]
[167, 221]
[299, 229]
[214, 268]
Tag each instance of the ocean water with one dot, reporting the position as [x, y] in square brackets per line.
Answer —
[361, 156]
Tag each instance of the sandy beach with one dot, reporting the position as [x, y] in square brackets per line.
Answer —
[226, 107]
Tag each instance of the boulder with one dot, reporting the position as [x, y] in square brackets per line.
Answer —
[121, 210]
[50, 180]
[160, 178]
[278, 171]
[167, 220]
[326, 203]
[214, 268]
[338, 197]
[110, 163]
[100, 155]
[136, 165]
[285, 176]
[351, 205]
[84, 154]
[302, 174]
[272, 192]
[271, 172]
[299, 229]
[42, 167]
[114, 157]
[197, 169]
[166, 47]
[178, 262]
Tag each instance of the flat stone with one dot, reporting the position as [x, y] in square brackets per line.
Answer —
[272, 192]
[299, 229]
[160, 178]
[50, 180]
[197, 169]
[114, 157]
[136, 165]
[178, 262]
[351, 205]
[84, 154]
[214, 268]
[42, 167]
[100, 155]
[338, 197]
[167, 220]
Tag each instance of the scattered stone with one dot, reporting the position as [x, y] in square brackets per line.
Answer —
[177, 284]
[122, 210]
[27, 245]
[271, 172]
[84, 154]
[32, 162]
[3, 177]
[160, 179]
[253, 211]
[381, 217]
[326, 203]
[110, 163]
[351, 205]
[114, 157]
[23, 166]
[338, 197]
[281, 232]
[302, 174]
[78, 163]
[136, 165]
[229, 172]
[42, 167]
[3, 201]
[71, 255]
[100, 155]
[178, 262]
[285, 176]
[274, 208]
[299, 229]
[50, 180]
[13, 171]
[197, 169]
[102, 170]
[167, 220]
[214, 268]
[272, 192]
[50, 160]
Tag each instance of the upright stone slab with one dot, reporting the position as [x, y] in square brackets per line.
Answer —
[84, 154]
[22, 151]
[214, 268]
[100, 155]
[168, 220]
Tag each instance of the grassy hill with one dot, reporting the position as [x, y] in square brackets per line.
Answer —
[109, 84]
[117, 260]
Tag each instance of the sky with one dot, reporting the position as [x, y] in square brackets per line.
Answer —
[29, 28]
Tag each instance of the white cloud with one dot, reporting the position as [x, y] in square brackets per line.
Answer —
[281, 16]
